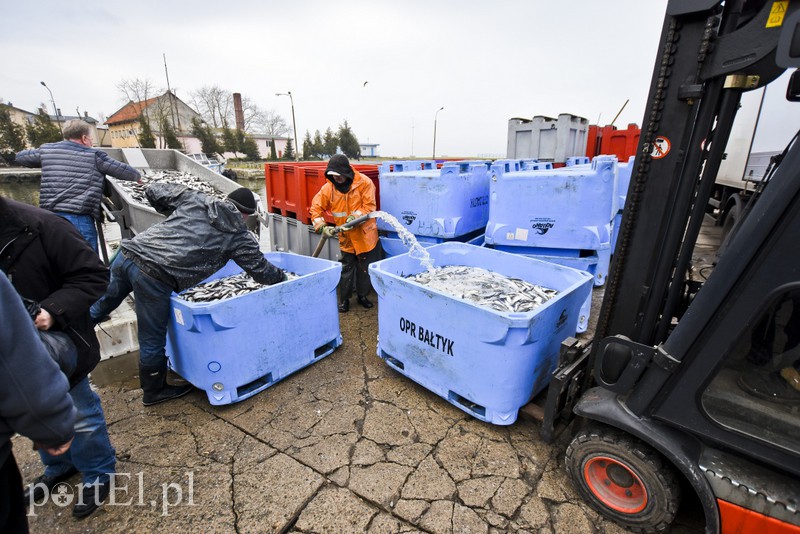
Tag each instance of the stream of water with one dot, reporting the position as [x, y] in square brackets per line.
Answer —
[415, 250]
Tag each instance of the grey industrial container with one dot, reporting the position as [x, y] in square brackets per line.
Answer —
[290, 235]
[546, 138]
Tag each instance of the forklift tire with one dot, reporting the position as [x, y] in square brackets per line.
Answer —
[623, 479]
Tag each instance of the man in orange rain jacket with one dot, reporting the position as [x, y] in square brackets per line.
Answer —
[348, 194]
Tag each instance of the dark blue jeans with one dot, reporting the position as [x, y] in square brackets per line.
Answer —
[91, 452]
[152, 307]
[84, 224]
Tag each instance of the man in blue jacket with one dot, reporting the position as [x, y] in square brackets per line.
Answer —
[73, 175]
[33, 402]
[199, 236]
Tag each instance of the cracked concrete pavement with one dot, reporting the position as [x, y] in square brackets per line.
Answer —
[345, 445]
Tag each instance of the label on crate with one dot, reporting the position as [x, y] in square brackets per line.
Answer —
[179, 316]
[408, 217]
[521, 234]
[479, 201]
[427, 336]
[542, 225]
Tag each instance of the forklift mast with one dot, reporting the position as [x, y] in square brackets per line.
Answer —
[710, 52]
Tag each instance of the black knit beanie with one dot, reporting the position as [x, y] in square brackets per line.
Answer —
[244, 200]
[339, 164]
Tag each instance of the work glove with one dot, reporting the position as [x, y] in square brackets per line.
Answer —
[329, 231]
[350, 218]
[318, 228]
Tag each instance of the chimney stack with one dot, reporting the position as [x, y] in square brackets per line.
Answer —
[237, 109]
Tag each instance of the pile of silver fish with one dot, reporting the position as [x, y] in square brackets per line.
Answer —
[485, 288]
[149, 176]
[226, 287]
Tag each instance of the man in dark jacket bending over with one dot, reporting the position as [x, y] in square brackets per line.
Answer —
[198, 238]
[73, 175]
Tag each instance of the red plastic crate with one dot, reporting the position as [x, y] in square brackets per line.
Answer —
[611, 141]
[593, 138]
[621, 143]
[291, 187]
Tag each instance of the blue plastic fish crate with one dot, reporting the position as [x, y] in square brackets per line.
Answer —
[406, 166]
[485, 362]
[570, 207]
[394, 246]
[445, 203]
[577, 160]
[236, 347]
[594, 262]
[624, 171]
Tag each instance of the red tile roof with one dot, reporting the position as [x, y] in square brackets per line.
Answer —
[130, 111]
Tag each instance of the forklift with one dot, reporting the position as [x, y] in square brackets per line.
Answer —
[693, 386]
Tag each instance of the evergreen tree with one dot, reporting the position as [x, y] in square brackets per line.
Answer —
[329, 143]
[273, 155]
[250, 148]
[12, 135]
[146, 137]
[308, 152]
[348, 142]
[207, 139]
[230, 142]
[289, 152]
[318, 147]
[169, 135]
[42, 130]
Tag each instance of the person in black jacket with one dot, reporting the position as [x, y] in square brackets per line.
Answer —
[48, 261]
[200, 235]
[73, 175]
[34, 402]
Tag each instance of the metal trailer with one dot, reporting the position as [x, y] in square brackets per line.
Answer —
[133, 217]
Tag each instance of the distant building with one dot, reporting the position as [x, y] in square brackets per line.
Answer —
[23, 118]
[264, 141]
[60, 120]
[20, 116]
[124, 125]
[369, 150]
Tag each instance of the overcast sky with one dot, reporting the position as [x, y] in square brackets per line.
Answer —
[483, 61]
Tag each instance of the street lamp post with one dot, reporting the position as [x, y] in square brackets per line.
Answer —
[55, 109]
[435, 118]
[294, 124]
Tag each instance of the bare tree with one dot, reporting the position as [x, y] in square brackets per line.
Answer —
[139, 90]
[136, 90]
[251, 112]
[214, 104]
[270, 123]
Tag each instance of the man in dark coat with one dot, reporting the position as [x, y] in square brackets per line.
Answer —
[196, 240]
[33, 402]
[73, 176]
[48, 261]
